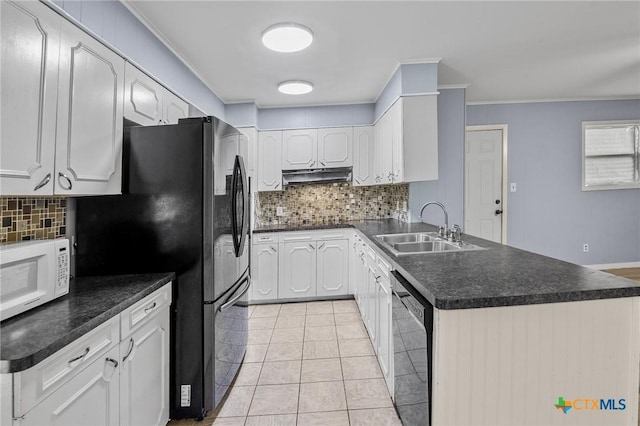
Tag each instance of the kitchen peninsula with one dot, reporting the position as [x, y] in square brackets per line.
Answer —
[513, 331]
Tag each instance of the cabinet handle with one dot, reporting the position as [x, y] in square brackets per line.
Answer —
[321, 245]
[129, 350]
[312, 163]
[44, 181]
[78, 358]
[323, 164]
[112, 361]
[277, 185]
[357, 181]
[312, 246]
[160, 121]
[273, 249]
[62, 175]
[150, 308]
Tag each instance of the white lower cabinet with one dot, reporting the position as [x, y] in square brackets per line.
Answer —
[383, 328]
[297, 270]
[333, 267]
[89, 398]
[116, 374]
[144, 373]
[264, 271]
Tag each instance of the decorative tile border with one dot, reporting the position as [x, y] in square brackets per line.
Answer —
[329, 203]
[32, 218]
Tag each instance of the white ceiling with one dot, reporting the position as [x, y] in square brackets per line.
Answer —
[504, 51]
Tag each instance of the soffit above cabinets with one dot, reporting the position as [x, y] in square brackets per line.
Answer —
[504, 51]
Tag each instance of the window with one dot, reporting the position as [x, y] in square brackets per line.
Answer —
[610, 155]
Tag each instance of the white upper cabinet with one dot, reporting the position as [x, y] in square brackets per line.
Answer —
[90, 111]
[406, 141]
[335, 147]
[249, 150]
[148, 103]
[270, 161]
[364, 160]
[30, 44]
[299, 149]
[173, 108]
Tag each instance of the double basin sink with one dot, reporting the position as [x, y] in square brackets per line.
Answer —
[422, 242]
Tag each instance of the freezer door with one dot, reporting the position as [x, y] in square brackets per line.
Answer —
[229, 336]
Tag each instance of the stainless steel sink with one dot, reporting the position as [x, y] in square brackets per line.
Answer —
[422, 242]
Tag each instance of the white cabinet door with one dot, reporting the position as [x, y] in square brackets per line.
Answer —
[30, 36]
[270, 161]
[335, 147]
[364, 159]
[384, 149]
[142, 97]
[173, 108]
[396, 141]
[90, 111]
[299, 149]
[249, 151]
[144, 373]
[420, 138]
[385, 346]
[297, 269]
[264, 274]
[89, 398]
[333, 267]
[370, 301]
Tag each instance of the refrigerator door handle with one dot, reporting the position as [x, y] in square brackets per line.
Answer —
[239, 281]
[245, 204]
[234, 209]
[231, 302]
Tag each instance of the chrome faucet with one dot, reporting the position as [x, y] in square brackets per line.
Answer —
[444, 232]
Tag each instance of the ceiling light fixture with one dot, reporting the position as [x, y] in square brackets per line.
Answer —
[287, 37]
[295, 87]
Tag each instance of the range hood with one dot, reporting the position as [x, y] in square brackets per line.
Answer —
[307, 176]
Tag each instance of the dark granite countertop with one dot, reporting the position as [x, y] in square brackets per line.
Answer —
[499, 276]
[32, 336]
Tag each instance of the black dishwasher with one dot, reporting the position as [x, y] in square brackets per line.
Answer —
[412, 317]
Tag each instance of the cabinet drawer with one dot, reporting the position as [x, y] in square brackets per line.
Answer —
[297, 236]
[334, 235]
[265, 238]
[33, 385]
[141, 312]
[369, 252]
[384, 267]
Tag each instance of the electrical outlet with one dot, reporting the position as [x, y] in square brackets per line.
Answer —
[185, 395]
[585, 248]
[279, 211]
[514, 187]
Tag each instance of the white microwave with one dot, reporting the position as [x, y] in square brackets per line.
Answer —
[32, 273]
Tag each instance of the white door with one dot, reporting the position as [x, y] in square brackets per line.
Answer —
[144, 374]
[173, 108]
[333, 267]
[142, 97]
[483, 203]
[30, 35]
[89, 398]
[335, 147]
[363, 156]
[264, 275]
[297, 270]
[299, 149]
[270, 161]
[90, 111]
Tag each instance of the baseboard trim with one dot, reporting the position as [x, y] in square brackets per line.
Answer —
[614, 265]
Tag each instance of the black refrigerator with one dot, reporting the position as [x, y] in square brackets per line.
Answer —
[184, 208]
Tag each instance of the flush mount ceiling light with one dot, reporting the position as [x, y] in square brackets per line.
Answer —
[295, 87]
[287, 37]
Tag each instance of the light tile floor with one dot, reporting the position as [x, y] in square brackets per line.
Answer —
[306, 364]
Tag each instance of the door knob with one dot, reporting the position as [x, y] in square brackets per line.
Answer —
[498, 212]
